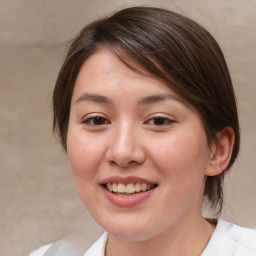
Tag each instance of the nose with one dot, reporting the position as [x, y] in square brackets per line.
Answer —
[125, 148]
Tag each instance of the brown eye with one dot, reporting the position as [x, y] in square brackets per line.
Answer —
[97, 120]
[160, 121]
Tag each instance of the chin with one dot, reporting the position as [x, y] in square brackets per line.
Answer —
[130, 231]
[130, 235]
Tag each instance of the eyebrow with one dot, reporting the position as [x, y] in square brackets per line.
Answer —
[95, 98]
[158, 97]
[147, 100]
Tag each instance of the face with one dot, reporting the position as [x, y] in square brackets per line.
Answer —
[138, 154]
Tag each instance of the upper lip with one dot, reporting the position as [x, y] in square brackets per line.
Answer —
[126, 180]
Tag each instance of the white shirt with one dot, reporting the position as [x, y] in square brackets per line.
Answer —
[227, 240]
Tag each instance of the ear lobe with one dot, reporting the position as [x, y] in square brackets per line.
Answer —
[221, 152]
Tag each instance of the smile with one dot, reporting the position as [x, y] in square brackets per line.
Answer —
[128, 189]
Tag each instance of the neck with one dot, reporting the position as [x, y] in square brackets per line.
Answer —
[188, 237]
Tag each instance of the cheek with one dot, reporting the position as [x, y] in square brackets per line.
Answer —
[182, 160]
[181, 163]
[84, 156]
[84, 159]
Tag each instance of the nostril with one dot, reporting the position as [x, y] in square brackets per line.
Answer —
[124, 164]
[125, 153]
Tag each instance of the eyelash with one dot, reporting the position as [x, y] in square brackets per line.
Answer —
[97, 119]
[162, 121]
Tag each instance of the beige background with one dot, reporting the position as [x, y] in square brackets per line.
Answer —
[38, 203]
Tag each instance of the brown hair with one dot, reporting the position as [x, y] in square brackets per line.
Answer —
[170, 47]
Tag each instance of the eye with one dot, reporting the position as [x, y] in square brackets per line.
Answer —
[96, 120]
[160, 121]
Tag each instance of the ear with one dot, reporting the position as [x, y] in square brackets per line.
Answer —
[221, 152]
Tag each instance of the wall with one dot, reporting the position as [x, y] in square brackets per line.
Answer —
[37, 199]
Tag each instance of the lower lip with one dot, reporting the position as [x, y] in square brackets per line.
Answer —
[127, 200]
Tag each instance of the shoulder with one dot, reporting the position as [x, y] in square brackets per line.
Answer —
[244, 237]
[40, 251]
[98, 247]
[73, 246]
[231, 239]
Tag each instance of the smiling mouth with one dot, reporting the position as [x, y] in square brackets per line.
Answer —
[128, 189]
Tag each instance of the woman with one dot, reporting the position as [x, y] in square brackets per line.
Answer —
[145, 108]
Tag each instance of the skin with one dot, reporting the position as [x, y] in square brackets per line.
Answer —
[129, 139]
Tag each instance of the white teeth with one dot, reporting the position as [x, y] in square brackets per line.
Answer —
[109, 187]
[114, 187]
[144, 187]
[137, 187]
[121, 188]
[129, 188]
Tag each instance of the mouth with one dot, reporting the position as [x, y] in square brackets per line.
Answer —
[128, 189]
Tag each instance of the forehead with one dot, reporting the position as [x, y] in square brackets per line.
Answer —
[104, 71]
[106, 63]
